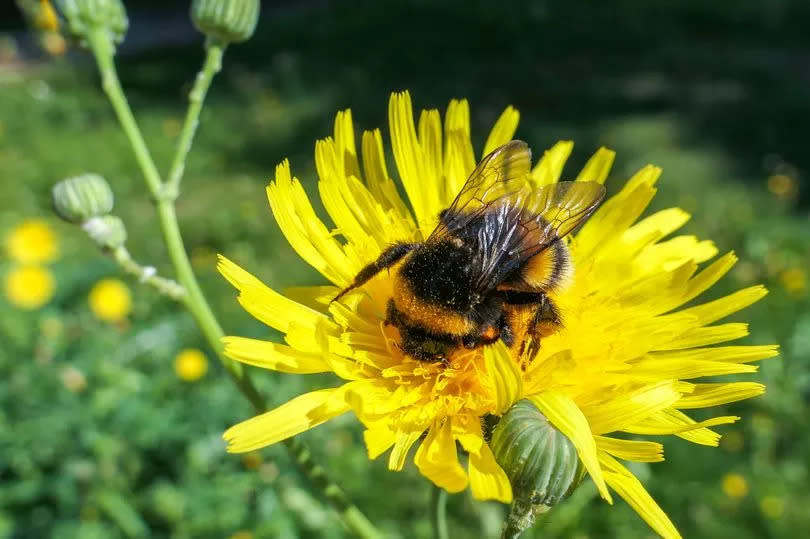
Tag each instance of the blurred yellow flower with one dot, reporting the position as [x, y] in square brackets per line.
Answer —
[629, 357]
[110, 300]
[732, 441]
[29, 287]
[190, 365]
[32, 242]
[46, 18]
[735, 486]
[794, 280]
[772, 507]
[252, 460]
[782, 185]
[241, 534]
[73, 379]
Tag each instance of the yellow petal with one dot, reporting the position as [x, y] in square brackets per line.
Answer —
[598, 166]
[344, 139]
[273, 356]
[686, 369]
[305, 231]
[378, 440]
[720, 308]
[503, 130]
[550, 166]
[504, 376]
[376, 173]
[430, 139]
[635, 450]
[488, 481]
[630, 407]
[437, 458]
[267, 305]
[404, 442]
[709, 276]
[705, 395]
[633, 492]
[300, 414]
[410, 160]
[703, 336]
[731, 354]
[656, 226]
[566, 416]
[671, 421]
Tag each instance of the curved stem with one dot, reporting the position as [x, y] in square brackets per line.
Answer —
[148, 275]
[194, 300]
[213, 63]
[439, 513]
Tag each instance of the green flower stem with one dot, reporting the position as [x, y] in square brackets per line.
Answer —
[439, 513]
[213, 63]
[148, 276]
[195, 301]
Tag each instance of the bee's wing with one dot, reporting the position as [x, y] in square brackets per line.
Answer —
[518, 221]
[500, 174]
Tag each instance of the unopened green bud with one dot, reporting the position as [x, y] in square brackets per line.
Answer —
[108, 231]
[230, 21]
[84, 16]
[80, 198]
[541, 463]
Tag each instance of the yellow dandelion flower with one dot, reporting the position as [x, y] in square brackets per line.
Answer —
[110, 300]
[29, 287]
[772, 507]
[32, 242]
[190, 365]
[735, 486]
[626, 359]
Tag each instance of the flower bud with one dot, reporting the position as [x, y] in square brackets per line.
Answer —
[108, 231]
[230, 21]
[82, 197]
[83, 16]
[541, 463]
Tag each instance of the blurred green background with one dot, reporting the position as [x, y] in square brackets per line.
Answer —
[104, 432]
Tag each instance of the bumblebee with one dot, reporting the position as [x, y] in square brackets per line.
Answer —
[486, 271]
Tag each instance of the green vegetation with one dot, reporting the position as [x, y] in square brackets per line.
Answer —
[135, 451]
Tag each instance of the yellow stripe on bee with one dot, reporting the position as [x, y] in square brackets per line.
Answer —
[549, 269]
[426, 315]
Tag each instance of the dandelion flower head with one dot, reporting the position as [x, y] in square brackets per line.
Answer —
[32, 241]
[110, 300]
[29, 287]
[628, 358]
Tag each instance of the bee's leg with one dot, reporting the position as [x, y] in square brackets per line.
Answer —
[388, 258]
[546, 319]
[507, 332]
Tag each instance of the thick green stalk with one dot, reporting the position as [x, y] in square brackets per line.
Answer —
[439, 513]
[214, 50]
[195, 301]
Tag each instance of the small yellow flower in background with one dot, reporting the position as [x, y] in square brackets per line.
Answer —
[110, 300]
[190, 365]
[252, 460]
[735, 486]
[772, 507]
[32, 242]
[628, 358]
[29, 287]
[241, 534]
[782, 185]
[73, 379]
[794, 280]
[732, 441]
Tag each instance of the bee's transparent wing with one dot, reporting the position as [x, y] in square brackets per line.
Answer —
[511, 220]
